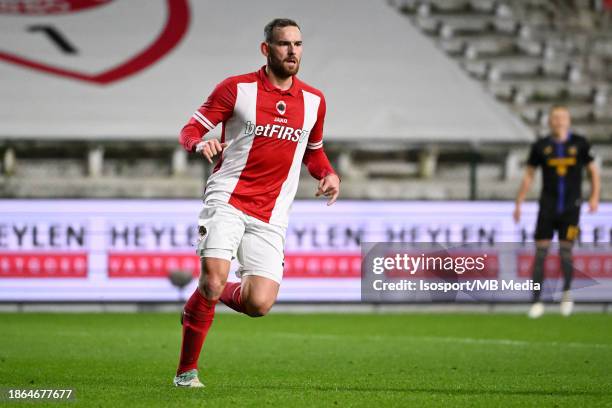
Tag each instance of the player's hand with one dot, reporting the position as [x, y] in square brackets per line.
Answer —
[517, 214]
[329, 186]
[210, 148]
[593, 205]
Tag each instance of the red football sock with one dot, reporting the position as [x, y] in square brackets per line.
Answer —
[197, 317]
[232, 298]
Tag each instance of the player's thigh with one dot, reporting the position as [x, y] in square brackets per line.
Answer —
[261, 251]
[568, 226]
[221, 229]
[545, 226]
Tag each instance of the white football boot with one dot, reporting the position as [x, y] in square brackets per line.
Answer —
[536, 311]
[188, 379]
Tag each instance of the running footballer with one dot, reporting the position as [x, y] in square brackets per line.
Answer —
[272, 122]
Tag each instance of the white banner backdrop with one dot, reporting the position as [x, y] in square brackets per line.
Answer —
[137, 69]
[122, 250]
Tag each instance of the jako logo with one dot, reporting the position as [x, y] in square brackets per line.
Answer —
[280, 131]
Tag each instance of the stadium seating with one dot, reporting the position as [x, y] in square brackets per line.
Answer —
[531, 54]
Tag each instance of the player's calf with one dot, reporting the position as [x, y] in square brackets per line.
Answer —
[538, 267]
[565, 253]
[197, 318]
[254, 304]
[567, 266]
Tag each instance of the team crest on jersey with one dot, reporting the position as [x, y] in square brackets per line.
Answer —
[281, 107]
[71, 38]
[572, 151]
[547, 150]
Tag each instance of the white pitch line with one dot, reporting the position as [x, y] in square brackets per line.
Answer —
[463, 340]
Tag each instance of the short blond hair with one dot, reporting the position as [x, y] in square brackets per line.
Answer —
[558, 107]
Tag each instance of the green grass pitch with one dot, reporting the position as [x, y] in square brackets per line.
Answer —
[369, 360]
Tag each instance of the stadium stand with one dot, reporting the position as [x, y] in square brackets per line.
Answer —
[436, 127]
[531, 54]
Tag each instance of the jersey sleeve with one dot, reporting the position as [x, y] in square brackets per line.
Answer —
[535, 156]
[317, 163]
[315, 159]
[315, 138]
[586, 156]
[217, 109]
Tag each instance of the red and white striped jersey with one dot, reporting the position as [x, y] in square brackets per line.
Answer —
[267, 132]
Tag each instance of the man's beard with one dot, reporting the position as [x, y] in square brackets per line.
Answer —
[277, 67]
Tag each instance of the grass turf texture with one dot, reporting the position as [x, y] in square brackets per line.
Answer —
[315, 360]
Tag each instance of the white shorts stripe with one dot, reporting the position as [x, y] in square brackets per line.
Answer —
[204, 119]
[202, 122]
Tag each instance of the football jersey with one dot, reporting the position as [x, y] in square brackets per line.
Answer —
[562, 167]
[267, 131]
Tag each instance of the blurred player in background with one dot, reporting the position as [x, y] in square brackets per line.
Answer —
[272, 122]
[562, 156]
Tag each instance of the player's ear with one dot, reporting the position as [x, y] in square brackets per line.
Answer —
[265, 48]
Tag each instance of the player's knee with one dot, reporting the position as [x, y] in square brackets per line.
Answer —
[258, 308]
[541, 251]
[565, 252]
[211, 288]
[212, 279]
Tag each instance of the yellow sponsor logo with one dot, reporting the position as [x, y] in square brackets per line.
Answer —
[561, 164]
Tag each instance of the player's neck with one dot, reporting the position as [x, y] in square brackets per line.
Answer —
[282, 83]
[560, 137]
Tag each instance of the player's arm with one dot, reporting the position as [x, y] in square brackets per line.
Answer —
[587, 159]
[329, 182]
[523, 190]
[217, 108]
[534, 160]
[593, 172]
[318, 164]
